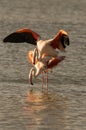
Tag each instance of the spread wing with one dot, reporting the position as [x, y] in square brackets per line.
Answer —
[23, 35]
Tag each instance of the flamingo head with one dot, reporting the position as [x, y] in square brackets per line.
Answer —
[64, 40]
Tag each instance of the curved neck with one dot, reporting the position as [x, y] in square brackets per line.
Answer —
[31, 74]
[35, 55]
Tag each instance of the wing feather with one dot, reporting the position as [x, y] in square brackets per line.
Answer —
[22, 35]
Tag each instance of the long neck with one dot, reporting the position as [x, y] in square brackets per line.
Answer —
[31, 75]
[34, 72]
[35, 55]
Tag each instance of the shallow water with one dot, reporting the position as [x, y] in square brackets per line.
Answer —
[64, 106]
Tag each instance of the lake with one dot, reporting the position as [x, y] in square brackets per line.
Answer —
[64, 106]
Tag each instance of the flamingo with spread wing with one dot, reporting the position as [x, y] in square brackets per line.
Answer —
[47, 56]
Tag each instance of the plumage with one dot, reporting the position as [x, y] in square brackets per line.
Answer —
[22, 35]
[60, 41]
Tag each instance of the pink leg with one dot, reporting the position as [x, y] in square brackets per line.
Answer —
[47, 80]
[42, 81]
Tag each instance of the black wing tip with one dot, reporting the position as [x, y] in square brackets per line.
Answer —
[6, 39]
[20, 38]
[10, 38]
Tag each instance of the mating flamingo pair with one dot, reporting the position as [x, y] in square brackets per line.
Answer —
[45, 55]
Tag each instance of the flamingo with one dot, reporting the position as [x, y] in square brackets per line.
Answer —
[42, 66]
[47, 56]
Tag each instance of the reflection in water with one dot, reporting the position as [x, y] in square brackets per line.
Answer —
[45, 110]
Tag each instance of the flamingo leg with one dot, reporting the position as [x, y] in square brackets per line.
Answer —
[47, 80]
[42, 81]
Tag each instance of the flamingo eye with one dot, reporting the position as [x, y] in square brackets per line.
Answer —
[65, 40]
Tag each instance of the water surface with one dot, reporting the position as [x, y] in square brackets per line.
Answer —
[64, 106]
